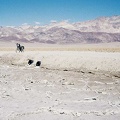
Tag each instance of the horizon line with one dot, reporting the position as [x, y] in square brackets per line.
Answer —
[38, 23]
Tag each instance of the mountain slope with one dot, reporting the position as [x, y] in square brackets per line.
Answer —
[104, 29]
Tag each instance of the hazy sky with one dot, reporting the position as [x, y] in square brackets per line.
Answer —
[17, 12]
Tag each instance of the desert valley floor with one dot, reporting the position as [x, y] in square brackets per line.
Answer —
[69, 84]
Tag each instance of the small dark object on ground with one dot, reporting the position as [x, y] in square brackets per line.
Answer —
[116, 76]
[82, 71]
[38, 63]
[90, 72]
[94, 99]
[62, 113]
[30, 62]
[26, 89]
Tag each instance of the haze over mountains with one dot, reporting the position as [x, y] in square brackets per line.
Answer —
[100, 30]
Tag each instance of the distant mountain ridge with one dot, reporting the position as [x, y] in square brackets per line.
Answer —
[103, 29]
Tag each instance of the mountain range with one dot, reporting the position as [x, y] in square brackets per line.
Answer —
[100, 30]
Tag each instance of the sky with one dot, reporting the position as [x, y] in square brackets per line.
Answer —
[41, 12]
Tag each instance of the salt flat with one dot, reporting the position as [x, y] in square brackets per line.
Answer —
[69, 85]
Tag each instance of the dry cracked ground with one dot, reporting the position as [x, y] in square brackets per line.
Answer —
[33, 93]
